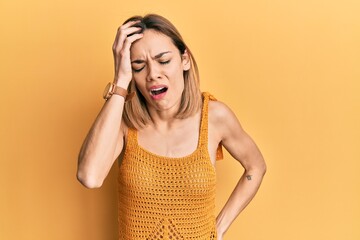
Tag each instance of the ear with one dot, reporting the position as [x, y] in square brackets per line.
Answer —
[186, 61]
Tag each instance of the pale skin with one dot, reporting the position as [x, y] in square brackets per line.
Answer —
[151, 59]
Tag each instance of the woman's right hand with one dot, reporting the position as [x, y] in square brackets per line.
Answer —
[125, 36]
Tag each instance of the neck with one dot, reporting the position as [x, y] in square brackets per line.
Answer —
[164, 119]
[163, 124]
[163, 116]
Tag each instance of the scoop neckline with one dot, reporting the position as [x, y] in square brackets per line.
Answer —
[198, 146]
[188, 156]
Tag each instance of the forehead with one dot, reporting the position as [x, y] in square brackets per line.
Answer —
[152, 43]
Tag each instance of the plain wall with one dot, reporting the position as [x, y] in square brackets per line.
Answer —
[290, 70]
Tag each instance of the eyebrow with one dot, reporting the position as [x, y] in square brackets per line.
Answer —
[156, 57]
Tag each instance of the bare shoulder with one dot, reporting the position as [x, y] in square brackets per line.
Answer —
[223, 121]
[220, 113]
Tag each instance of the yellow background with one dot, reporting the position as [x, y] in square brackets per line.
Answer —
[289, 69]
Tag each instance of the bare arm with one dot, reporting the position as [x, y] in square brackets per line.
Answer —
[104, 141]
[242, 148]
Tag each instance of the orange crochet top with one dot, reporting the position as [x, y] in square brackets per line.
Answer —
[167, 198]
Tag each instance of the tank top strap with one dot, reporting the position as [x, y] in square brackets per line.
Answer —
[203, 135]
[203, 138]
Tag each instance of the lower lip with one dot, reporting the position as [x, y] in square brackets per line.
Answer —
[159, 96]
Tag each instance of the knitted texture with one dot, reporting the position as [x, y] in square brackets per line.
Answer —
[167, 198]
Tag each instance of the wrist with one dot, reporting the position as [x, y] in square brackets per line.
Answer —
[113, 89]
[123, 83]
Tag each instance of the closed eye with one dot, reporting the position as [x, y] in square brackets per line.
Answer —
[138, 70]
[161, 62]
[165, 62]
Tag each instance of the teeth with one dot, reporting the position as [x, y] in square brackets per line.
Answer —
[156, 91]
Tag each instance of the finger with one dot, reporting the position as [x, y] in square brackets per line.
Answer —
[131, 30]
[122, 35]
[124, 26]
[128, 24]
[116, 40]
[130, 40]
[119, 30]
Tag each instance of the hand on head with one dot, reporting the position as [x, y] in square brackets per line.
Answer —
[126, 35]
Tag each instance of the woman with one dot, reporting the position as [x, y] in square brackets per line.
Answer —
[167, 137]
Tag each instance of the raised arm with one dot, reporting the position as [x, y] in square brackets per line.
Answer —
[240, 145]
[105, 139]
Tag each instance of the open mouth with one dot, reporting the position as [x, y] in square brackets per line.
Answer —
[157, 91]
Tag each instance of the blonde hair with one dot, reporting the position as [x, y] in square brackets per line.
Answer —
[136, 114]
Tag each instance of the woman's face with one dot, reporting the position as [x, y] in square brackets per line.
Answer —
[158, 70]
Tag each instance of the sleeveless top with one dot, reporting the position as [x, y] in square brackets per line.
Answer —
[167, 198]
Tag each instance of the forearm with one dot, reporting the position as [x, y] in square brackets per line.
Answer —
[97, 152]
[243, 193]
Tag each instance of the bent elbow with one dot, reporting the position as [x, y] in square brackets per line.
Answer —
[260, 169]
[88, 181]
[264, 169]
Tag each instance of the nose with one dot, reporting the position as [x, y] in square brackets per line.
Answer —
[153, 72]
